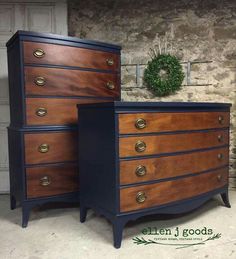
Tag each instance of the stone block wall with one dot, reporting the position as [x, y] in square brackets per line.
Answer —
[202, 31]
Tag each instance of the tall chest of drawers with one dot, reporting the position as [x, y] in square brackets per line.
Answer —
[48, 75]
[151, 158]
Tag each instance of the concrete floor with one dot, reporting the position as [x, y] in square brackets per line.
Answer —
[57, 233]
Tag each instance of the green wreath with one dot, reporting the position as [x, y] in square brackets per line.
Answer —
[164, 75]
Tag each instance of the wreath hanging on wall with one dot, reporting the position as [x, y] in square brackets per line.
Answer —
[164, 75]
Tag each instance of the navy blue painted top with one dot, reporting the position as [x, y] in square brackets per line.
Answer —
[27, 34]
[160, 106]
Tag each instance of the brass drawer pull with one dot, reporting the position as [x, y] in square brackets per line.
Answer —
[39, 53]
[140, 123]
[43, 148]
[219, 177]
[221, 119]
[140, 170]
[141, 197]
[220, 138]
[41, 112]
[45, 181]
[110, 85]
[140, 146]
[110, 62]
[220, 156]
[40, 81]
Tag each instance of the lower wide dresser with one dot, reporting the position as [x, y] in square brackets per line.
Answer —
[137, 159]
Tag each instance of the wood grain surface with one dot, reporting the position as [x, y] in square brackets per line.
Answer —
[62, 147]
[170, 143]
[63, 179]
[65, 82]
[59, 111]
[70, 56]
[171, 166]
[170, 191]
[158, 122]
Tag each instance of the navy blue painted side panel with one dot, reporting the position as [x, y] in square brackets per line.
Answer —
[97, 158]
[15, 87]
[16, 165]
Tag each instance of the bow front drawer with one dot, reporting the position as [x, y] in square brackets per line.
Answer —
[147, 196]
[51, 180]
[171, 143]
[68, 82]
[50, 147]
[43, 53]
[161, 122]
[149, 169]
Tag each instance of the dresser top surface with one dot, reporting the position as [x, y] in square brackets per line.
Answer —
[27, 34]
[159, 105]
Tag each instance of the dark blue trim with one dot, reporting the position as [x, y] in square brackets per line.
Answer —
[168, 154]
[115, 72]
[117, 162]
[136, 107]
[71, 97]
[170, 132]
[60, 39]
[54, 198]
[52, 164]
[37, 129]
[172, 154]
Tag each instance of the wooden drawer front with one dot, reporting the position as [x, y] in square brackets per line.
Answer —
[50, 147]
[134, 171]
[51, 180]
[53, 111]
[70, 56]
[170, 191]
[157, 122]
[65, 82]
[171, 143]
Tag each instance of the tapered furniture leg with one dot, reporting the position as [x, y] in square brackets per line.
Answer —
[118, 226]
[83, 213]
[25, 215]
[13, 202]
[225, 198]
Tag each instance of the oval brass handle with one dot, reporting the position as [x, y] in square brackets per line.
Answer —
[141, 170]
[40, 81]
[221, 119]
[219, 177]
[41, 112]
[39, 53]
[220, 156]
[110, 85]
[220, 138]
[110, 62]
[140, 146]
[45, 181]
[43, 148]
[141, 197]
[140, 123]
